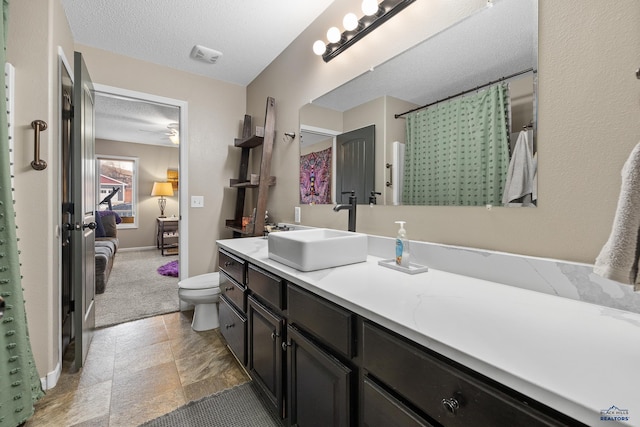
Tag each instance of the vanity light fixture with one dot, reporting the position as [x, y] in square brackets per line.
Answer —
[375, 14]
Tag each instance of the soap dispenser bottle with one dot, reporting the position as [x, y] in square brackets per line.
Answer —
[402, 246]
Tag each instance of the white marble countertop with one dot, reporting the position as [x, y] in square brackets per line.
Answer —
[575, 357]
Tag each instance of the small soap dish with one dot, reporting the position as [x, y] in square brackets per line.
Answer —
[413, 268]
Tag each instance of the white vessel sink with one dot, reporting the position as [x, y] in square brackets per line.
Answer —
[315, 249]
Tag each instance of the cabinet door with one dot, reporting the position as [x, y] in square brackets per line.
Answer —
[265, 352]
[233, 327]
[319, 385]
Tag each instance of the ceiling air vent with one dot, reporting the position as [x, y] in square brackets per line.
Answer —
[205, 54]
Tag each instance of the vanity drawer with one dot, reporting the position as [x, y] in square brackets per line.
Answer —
[232, 265]
[445, 393]
[380, 409]
[233, 327]
[266, 286]
[233, 292]
[330, 323]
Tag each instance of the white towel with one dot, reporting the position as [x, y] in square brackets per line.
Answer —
[618, 259]
[521, 171]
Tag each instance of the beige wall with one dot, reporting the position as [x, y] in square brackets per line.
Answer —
[153, 162]
[215, 112]
[36, 29]
[588, 123]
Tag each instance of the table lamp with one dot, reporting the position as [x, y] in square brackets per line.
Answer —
[162, 189]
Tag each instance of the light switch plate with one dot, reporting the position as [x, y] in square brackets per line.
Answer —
[197, 201]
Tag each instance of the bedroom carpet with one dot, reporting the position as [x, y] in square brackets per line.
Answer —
[135, 290]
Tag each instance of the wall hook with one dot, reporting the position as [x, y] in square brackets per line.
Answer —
[37, 163]
[289, 136]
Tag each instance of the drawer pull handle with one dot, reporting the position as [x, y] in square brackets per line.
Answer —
[274, 336]
[229, 325]
[228, 289]
[285, 345]
[451, 405]
[228, 263]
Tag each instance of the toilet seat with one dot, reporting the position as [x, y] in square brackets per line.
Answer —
[203, 281]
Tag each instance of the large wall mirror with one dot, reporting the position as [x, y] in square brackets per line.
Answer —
[455, 74]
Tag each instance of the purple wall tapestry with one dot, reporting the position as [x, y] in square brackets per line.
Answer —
[315, 177]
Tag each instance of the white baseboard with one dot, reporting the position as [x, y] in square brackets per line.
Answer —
[142, 248]
[52, 378]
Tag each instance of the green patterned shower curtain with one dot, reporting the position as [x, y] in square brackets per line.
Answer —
[457, 152]
[19, 385]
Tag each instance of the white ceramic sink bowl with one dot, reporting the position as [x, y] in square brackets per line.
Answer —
[318, 248]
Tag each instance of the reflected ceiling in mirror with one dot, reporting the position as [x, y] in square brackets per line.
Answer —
[492, 43]
[495, 42]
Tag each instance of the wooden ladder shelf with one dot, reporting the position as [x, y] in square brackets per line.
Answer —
[249, 141]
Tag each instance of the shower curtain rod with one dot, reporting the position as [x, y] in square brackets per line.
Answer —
[528, 70]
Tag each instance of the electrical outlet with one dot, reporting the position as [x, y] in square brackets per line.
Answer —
[296, 214]
[197, 201]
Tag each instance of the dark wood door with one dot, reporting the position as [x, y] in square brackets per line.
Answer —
[66, 128]
[319, 385]
[84, 204]
[265, 352]
[355, 164]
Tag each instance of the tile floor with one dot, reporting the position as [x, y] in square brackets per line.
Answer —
[138, 371]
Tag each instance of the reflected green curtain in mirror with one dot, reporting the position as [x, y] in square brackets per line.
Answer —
[20, 382]
[457, 152]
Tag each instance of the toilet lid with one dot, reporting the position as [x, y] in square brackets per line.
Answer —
[202, 281]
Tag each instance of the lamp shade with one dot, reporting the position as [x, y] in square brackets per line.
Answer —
[162, 189]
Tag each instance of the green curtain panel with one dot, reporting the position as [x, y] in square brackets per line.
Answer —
[457, 152]
[20, 385]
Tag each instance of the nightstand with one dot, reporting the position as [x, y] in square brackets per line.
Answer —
[167, 237]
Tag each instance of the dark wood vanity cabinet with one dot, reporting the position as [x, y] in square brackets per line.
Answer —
[265, 352]
[319, 364]
[233, 327]
[232, 306]
[319, 385]
[443, 392]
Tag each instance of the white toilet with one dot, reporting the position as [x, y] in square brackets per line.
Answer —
[203, 292]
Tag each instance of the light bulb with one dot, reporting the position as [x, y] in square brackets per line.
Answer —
[369, 7]
[350, 21]
[319, 47]
[333, 35]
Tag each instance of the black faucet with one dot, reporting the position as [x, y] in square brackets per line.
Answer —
[372, 197]
[352, 209]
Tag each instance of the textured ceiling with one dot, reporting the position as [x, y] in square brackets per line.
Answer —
[250, 34]
[131, 120]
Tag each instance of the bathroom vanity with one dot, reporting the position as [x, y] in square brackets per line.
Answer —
[365, 345]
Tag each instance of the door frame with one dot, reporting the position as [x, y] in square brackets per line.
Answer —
[183, 162]
[52, 377]
[329, 133]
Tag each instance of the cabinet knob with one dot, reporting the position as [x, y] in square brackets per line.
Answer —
[228, 263]
[228, 289]
[285, 345]
[451, 405]
[229, 325]
[274, 336]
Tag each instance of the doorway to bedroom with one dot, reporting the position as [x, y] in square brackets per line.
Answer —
[140, 158]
